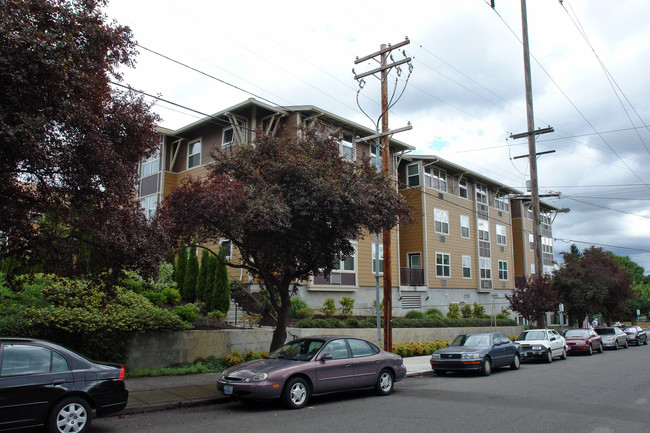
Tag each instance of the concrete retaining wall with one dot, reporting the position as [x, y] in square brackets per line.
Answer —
[163, 350]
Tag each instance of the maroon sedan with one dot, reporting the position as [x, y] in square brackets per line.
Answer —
[314, 365]
[583, 340]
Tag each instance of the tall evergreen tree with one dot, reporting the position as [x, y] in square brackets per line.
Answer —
[221, 299]
[203, 274]
[191, 275]
[181, 262]
[209, 282]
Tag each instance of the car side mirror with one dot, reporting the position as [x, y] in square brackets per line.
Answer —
[498, 342]
[553, 338]
[326, 357]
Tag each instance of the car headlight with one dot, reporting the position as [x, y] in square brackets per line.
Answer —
[259, 377]
[472, 355]
[435, 356]
[537, 347]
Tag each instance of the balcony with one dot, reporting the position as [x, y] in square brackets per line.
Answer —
[411, 277]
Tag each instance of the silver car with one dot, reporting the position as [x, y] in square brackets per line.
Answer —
[613, 337]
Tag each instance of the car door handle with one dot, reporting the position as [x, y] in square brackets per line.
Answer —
[348, 365]
[58, 381]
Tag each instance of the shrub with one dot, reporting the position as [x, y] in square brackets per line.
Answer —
[466, 311]
[453, 312]
[216, 316]
[297, 304]
[233, 358]
[181, 263]
[413, 314]
[329, 307]
[250, 355]
[156, 298]
[479, 311]
[305, 313]
[133, 281]
[434, 312]
[418, 348]
[172, 296]
[351, 322]
[188, 312]
[251, 319]
[347, 304]
[203, 275]
[191, 275]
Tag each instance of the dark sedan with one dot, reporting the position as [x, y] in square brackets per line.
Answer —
[635, 334]
[478, 352]
[314, 365]
[43, 384]
[583, 340]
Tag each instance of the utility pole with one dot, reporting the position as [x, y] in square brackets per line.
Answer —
[384, 53]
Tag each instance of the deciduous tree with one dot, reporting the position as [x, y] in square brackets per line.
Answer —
[534, 300]
[290, 204]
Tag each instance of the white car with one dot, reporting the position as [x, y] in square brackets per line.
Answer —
[542, 344]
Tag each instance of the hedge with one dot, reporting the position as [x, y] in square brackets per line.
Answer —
[403, 322]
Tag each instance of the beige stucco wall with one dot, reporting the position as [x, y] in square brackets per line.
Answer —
[162, 350]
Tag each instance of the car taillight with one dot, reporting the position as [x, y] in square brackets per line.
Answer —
[122, 373]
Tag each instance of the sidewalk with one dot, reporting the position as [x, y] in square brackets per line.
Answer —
[148, 394]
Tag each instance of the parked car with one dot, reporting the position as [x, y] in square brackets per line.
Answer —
[635, 335]
[477, 352]
[311, 366]
[612, 336]
[583, 340]
[44, 384]
[542, 344]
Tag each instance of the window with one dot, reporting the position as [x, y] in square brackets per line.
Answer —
[485, 266]
[415, 261]
[226, 245]
[149, 205]
[151, 165]
[501, 235]
[337, 348]
[483, 238]
[503, 270]
[228, 136]
[373, 156]
[344, 263]
[413, 175]
[347, 146]
[547, 245]
[529, 213]
[443, 266]
[441, 221]
[435, 178]
[462, 189]
[531, 241]
[501, 202]
[467, 266]
[464, 226]
[374, 257]
[26, 359]
[482, 201]
[194, 154]
[360, 348]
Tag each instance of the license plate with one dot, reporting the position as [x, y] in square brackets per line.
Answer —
[227, 389]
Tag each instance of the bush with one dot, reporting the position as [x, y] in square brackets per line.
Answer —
[347, 304]
[216, 316]
[250, 355]
[305, 313]
[479, 311]
[415, 315]
[251, 319]
[172, 296]
[297, 304]
[453, 312]
[188, 312]
[329, 307]
[233, 358]
[156, 298]
[466, 311]
[418, 348]
[434, 312]
[351, 322]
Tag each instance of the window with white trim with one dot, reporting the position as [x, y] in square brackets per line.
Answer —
[482, 201]
[228, 136]
[441, 221]
[374, 258]
[443, 265]
[501, 202]
[149, 205]
[467, 266]
[413, 175]
[529, 212]
[435, 178]
[373, 155]
[463, 190]
[503, 270]
[151, 165]
[531, 241]
[483, 228]
[501, 235]
[346, 146]
[226, 245]
[344, 263]
[464, 227]
[485, 266]
[194, 154]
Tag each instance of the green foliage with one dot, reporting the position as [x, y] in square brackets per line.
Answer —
[305, 313]
[165, 277]
[211, 364]
[208, 294]
[351, 322]
[191, 275]
[171, 296]
[454, 311]
[347, 305]
[329, 307]
[413, 314]
[188, 312]
[434, 312]
[479, 311]
[27, 291]
[203, 276]
[404, 322]
[216, 316]
[297, 304]
[156, 298]
[181, 264]
[504, 314]
[233, 358]
[133, 281]
[251, 356]
[418, 348]
[466, 311]
[220, 299]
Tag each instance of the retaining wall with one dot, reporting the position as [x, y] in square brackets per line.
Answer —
[163, 350]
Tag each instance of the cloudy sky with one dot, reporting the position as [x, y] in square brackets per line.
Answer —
[465, 96]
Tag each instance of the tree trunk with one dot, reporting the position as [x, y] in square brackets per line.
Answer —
[541, 321]
[280, 331]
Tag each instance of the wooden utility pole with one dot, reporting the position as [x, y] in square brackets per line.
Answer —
[384, 68]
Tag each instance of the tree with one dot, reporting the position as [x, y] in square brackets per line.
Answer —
[533, 300]
[592, 282]
[289, 203]
[203, 275]
[220, 299]
[70, 143]
[640, 284]
[181, 264]
[191, 275]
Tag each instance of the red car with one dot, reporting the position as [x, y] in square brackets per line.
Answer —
[583, 340]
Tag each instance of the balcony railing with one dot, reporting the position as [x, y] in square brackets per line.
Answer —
[411, 277]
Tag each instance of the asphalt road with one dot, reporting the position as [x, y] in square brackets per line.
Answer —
[603, 393]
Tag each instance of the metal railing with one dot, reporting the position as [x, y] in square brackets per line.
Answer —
[411, 276]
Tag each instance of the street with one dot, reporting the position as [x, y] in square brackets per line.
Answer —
[603, 393]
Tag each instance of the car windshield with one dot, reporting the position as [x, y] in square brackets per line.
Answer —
[532, 335]
[605, 331]
[299, 350]
[630, 330]
[471, 341]
[576, 333]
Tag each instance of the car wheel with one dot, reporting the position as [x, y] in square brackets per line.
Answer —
[645, 341]
[600, 348]
[516, 362]
[563, 356]
[590, 350]
[296, 393]
[70, 415]
[486, 366]
[626, 345]
[440, 372]
[616, 345]
[385, 382]
[549, 356]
